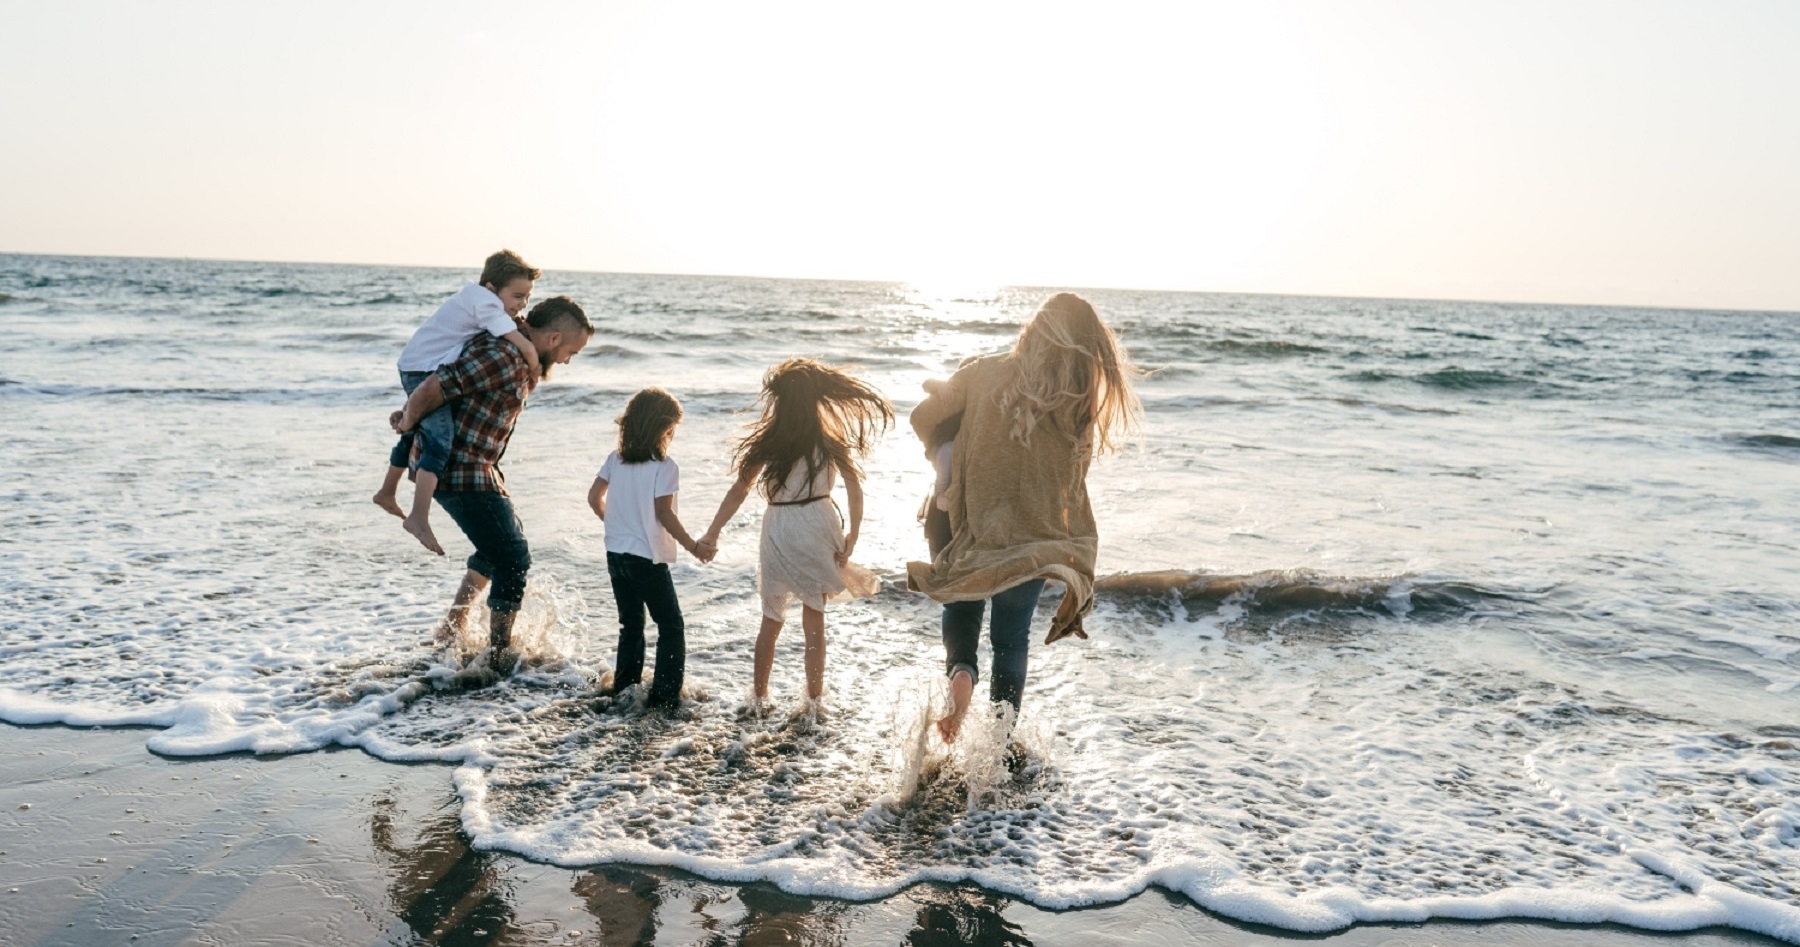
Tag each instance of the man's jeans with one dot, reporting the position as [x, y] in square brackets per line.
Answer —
[501, 554]
[435, 432]
[1010, 631]
[640, 584]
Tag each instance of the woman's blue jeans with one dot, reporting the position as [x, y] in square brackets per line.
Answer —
[1009, 629]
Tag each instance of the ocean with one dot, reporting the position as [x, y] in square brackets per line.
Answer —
[1411, 609]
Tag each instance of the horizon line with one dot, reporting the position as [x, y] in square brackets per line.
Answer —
[904, 282]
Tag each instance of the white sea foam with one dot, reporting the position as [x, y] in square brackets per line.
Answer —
[1369, 665]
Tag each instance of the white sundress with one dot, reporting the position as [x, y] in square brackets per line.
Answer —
[800, 543]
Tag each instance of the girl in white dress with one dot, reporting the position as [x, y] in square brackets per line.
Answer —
[816, 424]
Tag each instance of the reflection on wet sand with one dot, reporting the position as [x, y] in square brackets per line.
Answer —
[954, 916]
[447, 892]
[450, 894]
[624, 903]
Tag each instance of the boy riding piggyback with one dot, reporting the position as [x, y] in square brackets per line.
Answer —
[490, 306]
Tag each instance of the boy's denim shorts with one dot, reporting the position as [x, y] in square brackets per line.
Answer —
[436, 431]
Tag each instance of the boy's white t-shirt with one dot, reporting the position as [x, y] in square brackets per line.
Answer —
[473, 310]
[631, 492]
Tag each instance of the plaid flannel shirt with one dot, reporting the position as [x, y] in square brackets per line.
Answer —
[486, 389]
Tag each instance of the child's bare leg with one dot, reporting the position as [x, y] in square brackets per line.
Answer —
[386, 497]
[813, 623]
[962, 689]
[765, 657]
[418, 522]
[455, 623]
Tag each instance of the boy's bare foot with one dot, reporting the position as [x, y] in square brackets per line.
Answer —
[421, 531]
[388, 502]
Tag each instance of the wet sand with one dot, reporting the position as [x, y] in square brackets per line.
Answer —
[103, 842]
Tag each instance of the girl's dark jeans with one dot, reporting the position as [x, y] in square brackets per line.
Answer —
[639, 585]
[435, 432]
[1010, 631]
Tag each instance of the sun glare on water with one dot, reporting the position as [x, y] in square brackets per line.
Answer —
[957, 317]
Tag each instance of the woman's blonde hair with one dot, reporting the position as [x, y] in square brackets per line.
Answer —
[1072, 375]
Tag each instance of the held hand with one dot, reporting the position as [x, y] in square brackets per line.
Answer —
[705, 550]
[848, 548]
[398, 422]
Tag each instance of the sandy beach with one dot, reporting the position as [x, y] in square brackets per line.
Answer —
[103, 842]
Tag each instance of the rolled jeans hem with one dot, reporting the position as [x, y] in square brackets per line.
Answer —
[501, 554]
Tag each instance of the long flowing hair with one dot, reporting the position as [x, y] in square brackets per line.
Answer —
[645, 425]
[1071, 375]
[812, 414]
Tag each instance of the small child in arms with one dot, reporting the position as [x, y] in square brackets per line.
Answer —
[940, 451]
[491, 306]
[642, 530]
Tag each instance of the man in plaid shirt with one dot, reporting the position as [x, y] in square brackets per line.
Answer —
[486, 387]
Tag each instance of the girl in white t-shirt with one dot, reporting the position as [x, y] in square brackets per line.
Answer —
[642, 531]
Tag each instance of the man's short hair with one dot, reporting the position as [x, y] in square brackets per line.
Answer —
[560, 314]
[504, 267]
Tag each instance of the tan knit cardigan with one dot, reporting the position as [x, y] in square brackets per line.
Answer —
[1017, 512]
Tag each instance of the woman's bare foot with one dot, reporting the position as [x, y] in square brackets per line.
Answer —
[962, 687]
[390, 503]
[421, 531]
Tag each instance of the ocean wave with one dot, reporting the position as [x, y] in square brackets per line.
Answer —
[354, 337]
[1469, 379]
[1264, 348]
[1767, 441]
[1277, 594]
[613, 399]
[323, 395]
[1382, 406]
[1454, 333]
[1447, 379]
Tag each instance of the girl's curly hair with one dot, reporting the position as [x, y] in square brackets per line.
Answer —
[644, 427]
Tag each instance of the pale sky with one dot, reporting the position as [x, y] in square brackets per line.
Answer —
[1632, 152]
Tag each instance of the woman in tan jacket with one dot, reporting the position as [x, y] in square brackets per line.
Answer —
[1018, 504]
